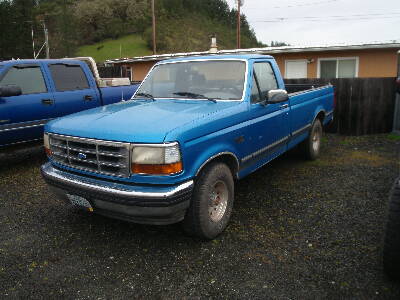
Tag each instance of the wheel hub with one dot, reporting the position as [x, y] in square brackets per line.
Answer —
[218, 201]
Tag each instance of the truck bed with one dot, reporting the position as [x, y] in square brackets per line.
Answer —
[295, 88]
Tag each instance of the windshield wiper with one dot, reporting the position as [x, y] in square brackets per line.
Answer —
[195, 96]
[145, 95]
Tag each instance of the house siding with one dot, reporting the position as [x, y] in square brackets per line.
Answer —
[372, 63]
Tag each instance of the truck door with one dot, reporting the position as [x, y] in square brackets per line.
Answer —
[22, 117]
[73, 91]
[269, 128]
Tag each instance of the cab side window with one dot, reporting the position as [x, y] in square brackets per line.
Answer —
[255, 91]
[68, 77]
[28, 78]
[265, 79]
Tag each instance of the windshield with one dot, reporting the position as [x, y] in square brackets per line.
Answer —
[213, 79]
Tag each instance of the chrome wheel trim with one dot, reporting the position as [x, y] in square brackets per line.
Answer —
[218, 201]
[316, 141]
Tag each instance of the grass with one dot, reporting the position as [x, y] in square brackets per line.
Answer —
[393, 137]
[126, 46]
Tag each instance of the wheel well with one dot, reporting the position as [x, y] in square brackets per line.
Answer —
[227, 158]
[321, 116]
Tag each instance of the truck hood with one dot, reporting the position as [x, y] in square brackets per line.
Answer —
[136, 121]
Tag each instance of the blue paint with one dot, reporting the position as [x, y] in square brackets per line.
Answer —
[19, 113]
[203, 128]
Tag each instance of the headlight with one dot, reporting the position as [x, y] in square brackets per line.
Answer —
[46, 143]
[163, 159]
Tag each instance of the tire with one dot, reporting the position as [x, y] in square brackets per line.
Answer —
[212, 202]
[312, 145]
[391, 248]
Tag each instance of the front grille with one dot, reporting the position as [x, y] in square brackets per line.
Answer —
[104, 157]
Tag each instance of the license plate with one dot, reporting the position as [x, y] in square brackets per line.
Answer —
[80, 202]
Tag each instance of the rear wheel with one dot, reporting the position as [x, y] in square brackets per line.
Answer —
[312, 145]
[391, 249]
[212, 202]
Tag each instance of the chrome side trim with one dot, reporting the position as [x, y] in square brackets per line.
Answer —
[215, 156]
[24, 125]
[298, 131]
[50, 173]
[258, 152]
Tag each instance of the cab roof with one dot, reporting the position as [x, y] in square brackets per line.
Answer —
[219, 57]
[35, 61]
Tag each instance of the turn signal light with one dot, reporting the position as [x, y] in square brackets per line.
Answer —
[48, 151]
[167, 169]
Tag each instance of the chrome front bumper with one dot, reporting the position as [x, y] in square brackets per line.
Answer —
[149, 204]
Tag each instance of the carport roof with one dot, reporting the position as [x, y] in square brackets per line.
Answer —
[265, 50]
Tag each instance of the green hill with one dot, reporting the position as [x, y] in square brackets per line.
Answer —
[126, 46]
[99, 27]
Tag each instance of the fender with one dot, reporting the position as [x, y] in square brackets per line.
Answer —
[215, 156]
[317, 112]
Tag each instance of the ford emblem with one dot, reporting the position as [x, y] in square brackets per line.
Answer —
[82, 155]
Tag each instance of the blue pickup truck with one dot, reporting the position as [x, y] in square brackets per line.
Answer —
[32, 92]
[173, 152]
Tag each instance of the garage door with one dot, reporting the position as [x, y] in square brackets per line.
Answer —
[296, 68]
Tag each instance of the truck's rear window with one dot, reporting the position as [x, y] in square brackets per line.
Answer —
[220, 80]
[68, 77]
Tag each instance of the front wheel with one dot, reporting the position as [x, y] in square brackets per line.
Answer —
[212, 202]
[312, 145]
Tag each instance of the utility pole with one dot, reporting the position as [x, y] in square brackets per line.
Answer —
[238, 25]
[46, 40]
[154, 27]
[239, 4]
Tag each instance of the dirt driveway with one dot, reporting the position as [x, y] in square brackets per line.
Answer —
[299, 230]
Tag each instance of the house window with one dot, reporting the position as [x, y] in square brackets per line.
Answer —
[296, 68]
[338, 67]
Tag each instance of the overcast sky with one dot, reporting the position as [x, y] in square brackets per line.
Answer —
[316, 22]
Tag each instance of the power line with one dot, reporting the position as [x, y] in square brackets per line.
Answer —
[332, 18]
[297, 5]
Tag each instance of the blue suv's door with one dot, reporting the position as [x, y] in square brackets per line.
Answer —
[22, 117]
[268, 131]
[73, 91]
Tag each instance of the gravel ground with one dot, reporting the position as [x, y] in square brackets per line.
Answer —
[299, 230]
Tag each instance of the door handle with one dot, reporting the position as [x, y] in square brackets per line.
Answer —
[88, 98]
[283, 106]
[47, 101]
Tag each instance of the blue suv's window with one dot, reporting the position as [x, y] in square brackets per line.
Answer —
[68, 77]
[28, 78]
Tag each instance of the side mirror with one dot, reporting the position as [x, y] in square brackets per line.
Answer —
[10, 90]
[277, 96]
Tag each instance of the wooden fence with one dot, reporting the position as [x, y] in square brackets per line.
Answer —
[363, 105]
